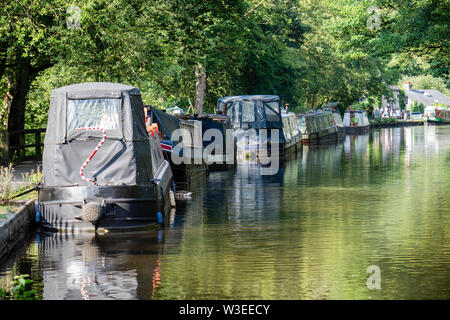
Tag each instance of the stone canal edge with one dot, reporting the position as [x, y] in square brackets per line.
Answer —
[15, 227]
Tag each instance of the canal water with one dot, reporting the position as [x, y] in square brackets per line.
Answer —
[377, 203]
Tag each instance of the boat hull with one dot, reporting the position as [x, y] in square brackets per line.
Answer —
[329, 135]
[357, 129]
[437, 121]
[122, 207]
[258, 151]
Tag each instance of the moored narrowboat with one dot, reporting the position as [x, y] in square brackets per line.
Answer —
[101, 169]
[216, 131]
[317, 127]
[437, 115]
[356, 121]
[181, 142]
[337, 120]
[254, 119]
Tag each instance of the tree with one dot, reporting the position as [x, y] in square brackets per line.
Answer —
[29, 43]
[30, 38]
[426, 82]
[190, 52]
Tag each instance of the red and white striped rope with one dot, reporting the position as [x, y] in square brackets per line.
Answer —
[93, 153]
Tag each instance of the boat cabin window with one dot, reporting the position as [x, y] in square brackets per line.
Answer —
[322, 122]
[252, 111]
[287, 128]
[301, 123]
[222, 107]
[233, 113]
[293, 123]
[248, 111]
[272, 110]
[85, 113]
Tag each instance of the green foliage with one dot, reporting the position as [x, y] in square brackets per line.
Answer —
[401, 99]
[30, 41]
[308, 52]
[19, 289]
[157, 45]
[426, 82]
[384, 122]
[6, 177]
[417, 30]
[8, 191]
[417, 107]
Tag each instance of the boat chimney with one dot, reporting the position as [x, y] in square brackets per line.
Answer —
[407, 86]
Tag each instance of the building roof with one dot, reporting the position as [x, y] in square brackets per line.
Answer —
[427, 97]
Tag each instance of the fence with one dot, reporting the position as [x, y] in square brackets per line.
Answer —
[20, 141]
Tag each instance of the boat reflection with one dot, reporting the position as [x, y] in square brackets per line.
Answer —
[100, 267]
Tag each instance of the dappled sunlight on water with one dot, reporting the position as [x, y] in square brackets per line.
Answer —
[308, 232]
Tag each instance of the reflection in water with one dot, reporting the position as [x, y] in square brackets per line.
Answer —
[99, 267]
[309, 232]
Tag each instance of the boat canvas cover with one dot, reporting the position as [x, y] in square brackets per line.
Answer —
[315, 121]
[221, 123]
[125, 156]
[252, 111]
[190, 137]
[167, 122]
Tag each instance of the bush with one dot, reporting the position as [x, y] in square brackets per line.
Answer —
[7, 190]
[384, 122]
[18, 289]
[426, 82]
[6, 177]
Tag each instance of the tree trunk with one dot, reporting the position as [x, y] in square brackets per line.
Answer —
[6, 103]
[200, 88]
[16, 118]
[313, 101]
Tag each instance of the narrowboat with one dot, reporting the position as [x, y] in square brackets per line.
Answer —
[437, 115]
[332, 107]
[356, 121]
[101, 169]
[337, 119]
[254, 118]
[317, 127]
[181, 142]
[218, 138]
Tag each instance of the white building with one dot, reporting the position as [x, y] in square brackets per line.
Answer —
[427, 97]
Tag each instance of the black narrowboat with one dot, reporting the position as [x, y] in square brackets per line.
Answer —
[181, 142]
[254, 118]
[101, 169]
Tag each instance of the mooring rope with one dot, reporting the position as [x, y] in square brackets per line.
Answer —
[93, 153]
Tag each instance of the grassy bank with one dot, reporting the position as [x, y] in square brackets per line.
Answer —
[11, 199]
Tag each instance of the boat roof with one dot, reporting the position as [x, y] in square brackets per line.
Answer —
[250, 97]
[93, 88]
[132, 122]
[312, 113]
[354, 110]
